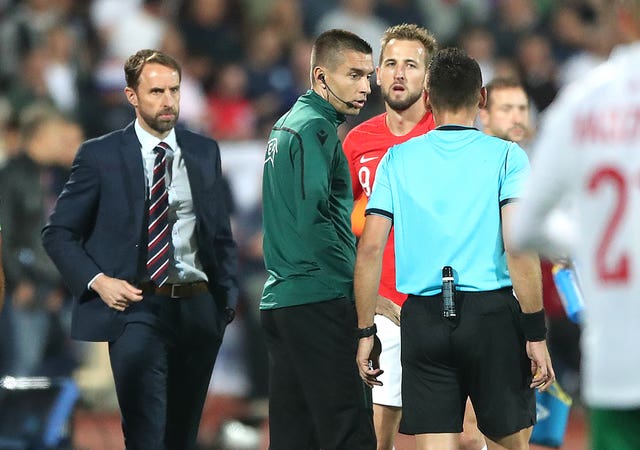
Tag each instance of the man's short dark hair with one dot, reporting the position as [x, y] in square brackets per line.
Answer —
[135, 63]
[328, 47]
[503, 83]
[454, 81]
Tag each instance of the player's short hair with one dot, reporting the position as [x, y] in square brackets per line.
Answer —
[503, 83]
[410, 32]
[328, 48]
[454, 80]
[135, 63]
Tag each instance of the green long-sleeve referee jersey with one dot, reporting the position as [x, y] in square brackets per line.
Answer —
[309, 249]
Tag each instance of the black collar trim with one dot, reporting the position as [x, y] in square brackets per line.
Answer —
[455, 128]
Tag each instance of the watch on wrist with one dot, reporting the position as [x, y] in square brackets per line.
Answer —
[366, 332]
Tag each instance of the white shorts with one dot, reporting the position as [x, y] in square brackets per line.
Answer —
[389, 393]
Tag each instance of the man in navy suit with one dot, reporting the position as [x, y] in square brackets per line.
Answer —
[164, 333]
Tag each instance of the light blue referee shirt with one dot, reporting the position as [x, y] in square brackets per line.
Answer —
[443, 191]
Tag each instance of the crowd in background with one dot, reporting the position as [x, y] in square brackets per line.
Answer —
[244, 63]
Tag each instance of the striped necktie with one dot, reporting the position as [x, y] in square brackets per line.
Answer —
[158, 247]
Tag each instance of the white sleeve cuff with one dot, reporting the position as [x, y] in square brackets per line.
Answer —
[92, 280]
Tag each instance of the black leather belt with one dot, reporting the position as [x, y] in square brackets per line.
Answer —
[177, 290]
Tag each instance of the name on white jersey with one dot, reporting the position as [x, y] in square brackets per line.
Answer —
[619, 125]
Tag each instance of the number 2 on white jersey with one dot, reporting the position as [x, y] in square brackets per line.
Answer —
[616, 271]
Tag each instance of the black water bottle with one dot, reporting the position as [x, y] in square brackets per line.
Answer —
[448, 292]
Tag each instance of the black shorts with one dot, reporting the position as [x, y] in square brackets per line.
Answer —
[316, 396]
[481, 355]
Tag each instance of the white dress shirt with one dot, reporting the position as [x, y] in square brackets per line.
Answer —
[185, 266]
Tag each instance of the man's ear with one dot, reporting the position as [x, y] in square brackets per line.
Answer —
[482, 102]
[318, 77]
[131, 95]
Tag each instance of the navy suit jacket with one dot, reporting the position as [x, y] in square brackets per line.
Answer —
[99, 224]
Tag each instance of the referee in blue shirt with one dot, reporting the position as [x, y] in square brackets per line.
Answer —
[450, 194]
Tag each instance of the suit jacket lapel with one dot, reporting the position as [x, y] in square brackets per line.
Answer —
[197, 162]
[135, 182]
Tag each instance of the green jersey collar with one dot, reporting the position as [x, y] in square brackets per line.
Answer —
[323, 106]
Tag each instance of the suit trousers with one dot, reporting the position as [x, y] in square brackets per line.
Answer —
[162, 365]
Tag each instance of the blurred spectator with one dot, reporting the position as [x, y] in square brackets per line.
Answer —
[109, 108]
[30, 87]
[142, 27]
[506, 68]
[572, 24]
[286, 17]
[193, 103]
[211, 37]
[299, 58]
[479, 44]
[506, 113]
[86, 45]
[511, 20]
[447, 18]
[4, 5]
[105, 14]
[61, 71]
[357, 16]
[231, 114]
[586, 32]
[270, 83]
[30, 183]
[23, 29]
[539, 69]
[396, 12]
[256, 10]
[313, 11]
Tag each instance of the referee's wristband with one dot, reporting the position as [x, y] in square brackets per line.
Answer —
[533, 326]
[366, 332]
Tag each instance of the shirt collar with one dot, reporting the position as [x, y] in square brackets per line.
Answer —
[454, 127]
[148, 141]
[324, 107]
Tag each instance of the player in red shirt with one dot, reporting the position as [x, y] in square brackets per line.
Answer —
[406, 50]
[405, 53]
[364, 146]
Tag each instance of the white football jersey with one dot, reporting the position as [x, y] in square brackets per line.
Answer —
[588, 154]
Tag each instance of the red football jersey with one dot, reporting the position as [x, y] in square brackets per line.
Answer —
[364, 146]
